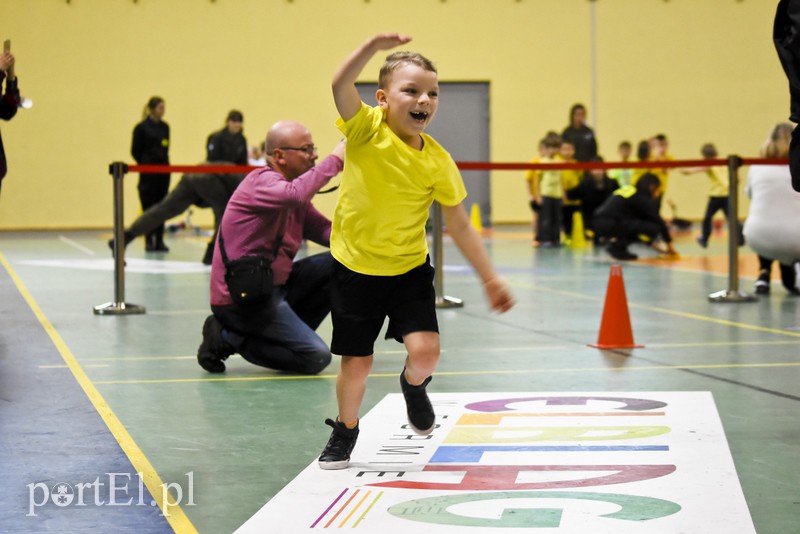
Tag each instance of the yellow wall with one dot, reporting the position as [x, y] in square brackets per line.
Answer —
[698, 70]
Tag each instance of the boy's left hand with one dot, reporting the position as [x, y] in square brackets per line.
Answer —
[386, 41]
[500, 298]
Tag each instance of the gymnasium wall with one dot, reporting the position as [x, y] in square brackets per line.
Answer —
[697, 70]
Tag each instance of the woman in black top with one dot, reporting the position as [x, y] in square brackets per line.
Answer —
[151, 147]
[580, 135]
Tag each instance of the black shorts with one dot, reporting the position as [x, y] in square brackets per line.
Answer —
[362, 302]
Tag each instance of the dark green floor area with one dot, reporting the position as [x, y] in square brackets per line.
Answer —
[245, 434]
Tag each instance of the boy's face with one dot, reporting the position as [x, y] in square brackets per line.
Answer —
[410, 100]
[624, 152]
[567, 151]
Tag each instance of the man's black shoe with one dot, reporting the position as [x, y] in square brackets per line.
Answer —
[126, 238]
[213, 350]
[418, 405]
[336, 454]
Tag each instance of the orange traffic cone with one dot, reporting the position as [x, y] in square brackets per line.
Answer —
[615, 326]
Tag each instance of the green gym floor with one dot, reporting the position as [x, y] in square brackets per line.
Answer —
[90, 401]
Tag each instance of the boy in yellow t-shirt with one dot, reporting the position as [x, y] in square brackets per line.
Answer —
[533, 178]
[718, 195]
[550, 196]
[393, 172]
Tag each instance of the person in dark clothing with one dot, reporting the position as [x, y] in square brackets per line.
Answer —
[786, 34]
[228, 144]
[593, 190]
[150, 146]
[198, 189]
[9, 102]
[580, 135]
[631, 214]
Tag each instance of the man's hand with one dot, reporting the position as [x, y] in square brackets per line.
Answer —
[338, 150]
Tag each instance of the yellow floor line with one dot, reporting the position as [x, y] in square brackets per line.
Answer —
[172, 510]
[456, 373]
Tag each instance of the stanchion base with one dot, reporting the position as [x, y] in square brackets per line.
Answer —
[449, 302]
[118, 308]
[728, 295]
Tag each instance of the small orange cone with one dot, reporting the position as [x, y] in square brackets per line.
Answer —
[615, 326]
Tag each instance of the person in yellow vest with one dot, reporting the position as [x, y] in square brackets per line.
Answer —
[570, 178]
[718, 195]
[623, 176]
[631, 214]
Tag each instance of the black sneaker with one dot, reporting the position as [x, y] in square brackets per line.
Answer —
[213, 350]
[126, 238]
[336, 454]
[418, 406]
[619, 251]
[762, 284]
[702, 241]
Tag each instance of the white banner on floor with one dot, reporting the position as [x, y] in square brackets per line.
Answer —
[634, 462]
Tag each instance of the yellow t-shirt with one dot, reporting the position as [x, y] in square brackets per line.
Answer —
[662, 173]
[386, 190]
[532, 177]
[550, 181]
[719, 181]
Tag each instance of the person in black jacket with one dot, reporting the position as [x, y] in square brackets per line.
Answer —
[228, 144]
[786, 35]
[150, 146]
[593, 190]
[9, 102]
[631, 214]
[580, 135]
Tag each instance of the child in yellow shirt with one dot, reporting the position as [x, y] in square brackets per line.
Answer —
[718, 194]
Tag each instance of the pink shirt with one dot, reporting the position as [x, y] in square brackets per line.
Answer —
[263, 205]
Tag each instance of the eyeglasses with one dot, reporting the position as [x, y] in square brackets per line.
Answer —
[308, 149]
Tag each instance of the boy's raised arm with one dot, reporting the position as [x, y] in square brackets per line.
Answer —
[345, 94]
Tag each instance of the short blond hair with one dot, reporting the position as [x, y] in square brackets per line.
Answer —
[397, 59]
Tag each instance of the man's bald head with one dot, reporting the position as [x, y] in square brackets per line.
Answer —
[286, 133]
[290, 149]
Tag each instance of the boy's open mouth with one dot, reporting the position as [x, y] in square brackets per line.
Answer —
[420, 116]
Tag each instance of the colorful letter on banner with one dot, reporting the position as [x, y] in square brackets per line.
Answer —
[504, 477]
[435, 509]
[495, 434]
[502, 405]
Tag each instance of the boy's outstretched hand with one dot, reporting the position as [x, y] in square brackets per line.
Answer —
[385, 41]
[500, 298]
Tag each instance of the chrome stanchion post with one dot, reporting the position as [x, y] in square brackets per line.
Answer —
[442, 301]
[118, 306]
[732, 294]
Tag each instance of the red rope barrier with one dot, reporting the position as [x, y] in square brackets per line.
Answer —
[486, 166]
[205, 169]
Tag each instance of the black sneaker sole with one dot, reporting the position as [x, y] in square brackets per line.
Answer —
[334, 465]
